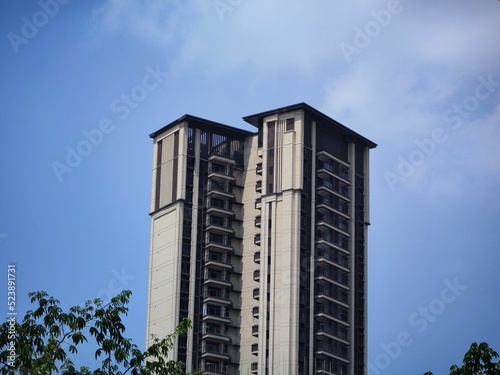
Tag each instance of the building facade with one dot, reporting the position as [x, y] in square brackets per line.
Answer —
[260, 238]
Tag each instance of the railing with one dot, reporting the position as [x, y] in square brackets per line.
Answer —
[215, 294]
[339, 350]
[255, 329]
[332, 293]
[215, 369]
[336, 313]
[338, 188]
[216, 257]
[256, 293]
[338, 276]
[342, 207]
[255, 311]
[220, 313]
[333, 220]
[341, 333]
[216, 276]
[219, 239]
[256, 239]
[330, 255]
[214, 330]
[215, 349]
[220, 186]
[256, 275]
[258, 169]
[337, 170]
[219, 170]
[342, 243]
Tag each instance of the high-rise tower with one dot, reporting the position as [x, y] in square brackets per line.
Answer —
[260, 239]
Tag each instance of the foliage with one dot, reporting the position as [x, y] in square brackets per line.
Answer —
[479, 360]
[47, 336]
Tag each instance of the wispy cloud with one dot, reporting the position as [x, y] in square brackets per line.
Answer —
[153, 21]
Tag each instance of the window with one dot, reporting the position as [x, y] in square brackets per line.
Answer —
[290, 124]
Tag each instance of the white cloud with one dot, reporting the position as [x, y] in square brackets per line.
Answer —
[155, 21]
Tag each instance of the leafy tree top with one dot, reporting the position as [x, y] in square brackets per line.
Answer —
[42, 343]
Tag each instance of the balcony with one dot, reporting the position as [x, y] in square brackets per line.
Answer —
[336, 349]
[256, 293]
[221, 157]
[217, 277]
[255, 312]
[332, 202]
[334, 274]
[212, 350]
[215, 332]
[221, 206]
[255, 330]
[334, 168]
[216, 313]
[215, 369]
[332, 256]
[221, 172]
[335, 239]
[256, 239]
[217, 296]
[337, 312]
[256, 275]
[335, 187]
[258, 203]
[332, 329]
[332, 220]
[219, 188]
[257, 221]
[254, 367]
[218, 259]
[332, 293]
[258, 169]
[258, 186]
[217, 240]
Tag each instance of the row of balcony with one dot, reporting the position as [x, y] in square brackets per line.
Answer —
[218, 264]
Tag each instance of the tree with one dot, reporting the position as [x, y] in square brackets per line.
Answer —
[43, 342]
[479, 360]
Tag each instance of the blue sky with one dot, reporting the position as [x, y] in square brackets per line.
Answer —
[83, 84]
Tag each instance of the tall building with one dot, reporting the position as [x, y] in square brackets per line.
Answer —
[260, 238]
